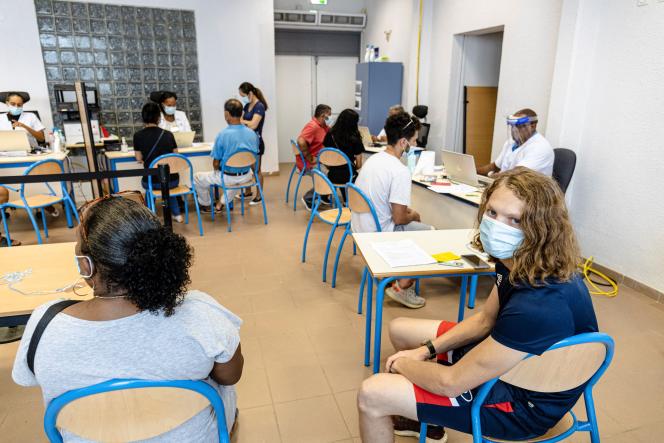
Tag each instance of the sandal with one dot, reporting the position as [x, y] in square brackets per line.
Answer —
[3, 242]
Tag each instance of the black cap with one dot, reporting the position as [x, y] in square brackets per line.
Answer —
[24, 95]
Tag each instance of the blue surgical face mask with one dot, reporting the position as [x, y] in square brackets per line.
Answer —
[78, 265]
[169, 110]
[15, 110]
[328, 121]
[498, 239]
[244, 99]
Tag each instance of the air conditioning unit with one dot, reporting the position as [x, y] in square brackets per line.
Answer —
[340, 20]
[318, 19]
[295, 18]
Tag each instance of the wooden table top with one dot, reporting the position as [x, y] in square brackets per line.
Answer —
[52, 267]
[203, 147]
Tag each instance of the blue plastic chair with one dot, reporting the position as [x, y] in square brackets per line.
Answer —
[336, 217]
[566, 365]
[330, 157]
[301, 173]
[243, 158]
[40, 201]
[180, 164]
[359, 203]
[204, 389]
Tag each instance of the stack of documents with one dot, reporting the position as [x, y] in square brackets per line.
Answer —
[459, 188]
[402, 253]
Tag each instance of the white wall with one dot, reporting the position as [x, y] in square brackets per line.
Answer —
[607, 104]
[224, 63]
[482, 61]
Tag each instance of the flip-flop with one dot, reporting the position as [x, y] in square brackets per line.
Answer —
[3, 242]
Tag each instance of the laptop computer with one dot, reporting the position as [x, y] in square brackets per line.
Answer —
[14, 140]
[366, 138]
[460, 167]
[184, 139]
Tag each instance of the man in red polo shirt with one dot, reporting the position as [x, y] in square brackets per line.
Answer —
[311, 142]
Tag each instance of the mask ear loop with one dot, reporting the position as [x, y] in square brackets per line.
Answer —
[80, 283]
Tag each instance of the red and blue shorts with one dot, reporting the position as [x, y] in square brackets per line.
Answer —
[499, 416]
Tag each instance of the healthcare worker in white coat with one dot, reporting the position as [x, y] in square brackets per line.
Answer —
[525, 147]
[171, 118]
[16, 119]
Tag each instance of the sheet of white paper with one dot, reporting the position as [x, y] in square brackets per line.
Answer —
[453, 189]
[402, 253]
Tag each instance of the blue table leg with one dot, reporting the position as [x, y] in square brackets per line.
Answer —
[116, 183]
[367, 320]
[473, 289]
[380, 295]
[462, 297]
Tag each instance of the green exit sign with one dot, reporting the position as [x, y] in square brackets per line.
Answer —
[319, 2]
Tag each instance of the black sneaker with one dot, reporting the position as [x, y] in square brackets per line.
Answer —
[406, 427]
[306, 204]
[208, 209]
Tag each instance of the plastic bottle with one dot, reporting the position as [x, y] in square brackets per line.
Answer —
[412, 161]
[50, 140]
[367, 54]
[123, 146]
[376, 55]
[57, 141]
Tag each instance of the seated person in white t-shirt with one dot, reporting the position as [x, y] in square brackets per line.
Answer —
[526, 147]
[142, 322]
[382, 137]
[16, 119]
[387, 182]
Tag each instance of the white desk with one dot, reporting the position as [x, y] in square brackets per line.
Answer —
[199, 155]
[453, 240]
[445, 211]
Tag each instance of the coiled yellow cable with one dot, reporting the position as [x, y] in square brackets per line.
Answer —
[588, 269]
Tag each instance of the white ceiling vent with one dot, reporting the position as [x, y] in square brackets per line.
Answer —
[318, 19]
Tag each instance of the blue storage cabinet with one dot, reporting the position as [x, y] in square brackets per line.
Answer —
[381, 85]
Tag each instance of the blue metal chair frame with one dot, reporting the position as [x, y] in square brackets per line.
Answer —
[225, 188]
[210, 393]
[348, 231]
[66, 201]
[578, 425]
[348, 163]
[380, 297]
[301, 173]
[151, 197]
[315, 213]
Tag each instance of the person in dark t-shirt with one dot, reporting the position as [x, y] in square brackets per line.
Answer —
[151, 142]
[253, 117]
[539, 299]
[345, 136]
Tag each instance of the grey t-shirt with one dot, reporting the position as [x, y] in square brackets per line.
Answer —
[74, 353]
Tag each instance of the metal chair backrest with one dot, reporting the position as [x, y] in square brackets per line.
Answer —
[48, 166]
[359, 203]
[559, 369]
[130, 410]
[564, 163]
[243, 158]
[297, 152]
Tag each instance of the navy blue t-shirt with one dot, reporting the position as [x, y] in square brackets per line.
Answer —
[259, 109]
[531, 319]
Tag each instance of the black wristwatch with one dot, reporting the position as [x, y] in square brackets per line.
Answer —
[431, 348]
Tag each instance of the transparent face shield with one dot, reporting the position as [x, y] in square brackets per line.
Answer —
[520, 128]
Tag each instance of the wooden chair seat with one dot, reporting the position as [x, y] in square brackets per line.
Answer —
[35, 201]
[560, 428]
[176, 190]
[331, 214]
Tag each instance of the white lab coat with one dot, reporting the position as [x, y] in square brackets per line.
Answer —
[536, 153]
[181, 123]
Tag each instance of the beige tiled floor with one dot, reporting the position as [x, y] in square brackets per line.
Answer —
[303, 340]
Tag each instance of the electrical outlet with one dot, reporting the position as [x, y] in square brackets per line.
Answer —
[641, 2]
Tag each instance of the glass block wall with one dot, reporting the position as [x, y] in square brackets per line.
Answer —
[126, 52]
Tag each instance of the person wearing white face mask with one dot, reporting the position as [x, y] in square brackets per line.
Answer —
[16, 119]
[539, 299]
[253, 117]
[387, 183]
[171, 118]
[524, 147]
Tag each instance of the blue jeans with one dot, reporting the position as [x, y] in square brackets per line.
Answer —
[172, 201]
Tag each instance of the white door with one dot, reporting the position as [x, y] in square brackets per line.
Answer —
[294, 95]
[335, 82]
